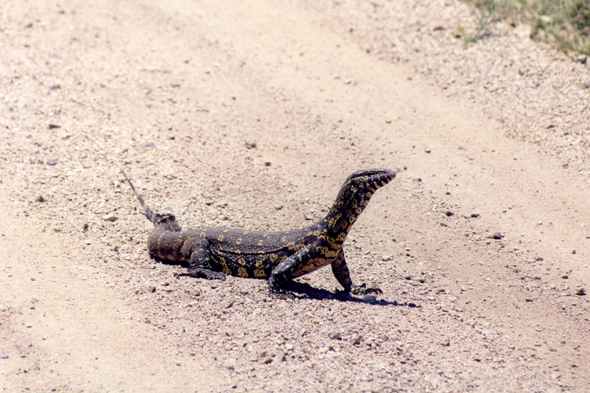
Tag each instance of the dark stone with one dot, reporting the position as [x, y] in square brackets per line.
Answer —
[370, 299]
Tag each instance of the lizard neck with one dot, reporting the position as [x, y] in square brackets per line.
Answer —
[347, 207]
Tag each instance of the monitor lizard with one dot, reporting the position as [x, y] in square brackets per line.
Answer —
[213, 253]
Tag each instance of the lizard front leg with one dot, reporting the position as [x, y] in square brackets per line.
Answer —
[200, 263]
[289, 269]
[342, 274]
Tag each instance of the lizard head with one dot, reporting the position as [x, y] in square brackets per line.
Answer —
[354, 196]
[370, 179]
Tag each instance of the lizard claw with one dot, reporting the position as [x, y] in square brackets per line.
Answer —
[281, 295]
[203, 273]
[364, 290]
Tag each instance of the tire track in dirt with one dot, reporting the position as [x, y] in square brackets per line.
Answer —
[61, 329]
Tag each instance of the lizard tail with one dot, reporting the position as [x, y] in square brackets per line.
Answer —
[167, 221]
[146, 210]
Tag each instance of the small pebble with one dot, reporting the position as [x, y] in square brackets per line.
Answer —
[445, 343]
[24, 344]
[581, 292]
[40, 199]
[356, 340]
[586, 85]
[230, 364]
[278, 207]
[449, 213]
[497, 236]
[3, 355]
[280, 357]
[308, 217]
[335, 336]
[370, 299]
[250, 145]
[145, 145]
[52, 161]
[53, 126]
[110, 217]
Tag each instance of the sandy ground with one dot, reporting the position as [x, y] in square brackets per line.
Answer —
[251, 114]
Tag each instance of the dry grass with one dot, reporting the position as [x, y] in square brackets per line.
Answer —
[565, 23]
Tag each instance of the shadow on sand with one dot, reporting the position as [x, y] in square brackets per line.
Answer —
[305, 291]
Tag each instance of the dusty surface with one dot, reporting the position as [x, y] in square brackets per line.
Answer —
[251, 114]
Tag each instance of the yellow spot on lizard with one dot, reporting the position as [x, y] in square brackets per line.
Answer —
[242, 272]
[259, 273]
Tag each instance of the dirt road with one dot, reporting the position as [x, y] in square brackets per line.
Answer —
[251, 114]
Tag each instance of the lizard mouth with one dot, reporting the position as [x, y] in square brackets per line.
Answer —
[381, 177]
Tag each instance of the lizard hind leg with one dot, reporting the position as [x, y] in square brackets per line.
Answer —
[200, 263]
[166, 221]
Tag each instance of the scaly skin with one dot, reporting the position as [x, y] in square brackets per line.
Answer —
[212, 253]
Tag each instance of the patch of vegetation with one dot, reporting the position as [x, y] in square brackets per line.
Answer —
[565, 23]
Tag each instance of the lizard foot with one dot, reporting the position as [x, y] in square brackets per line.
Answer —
[203, 273]
[364, 290]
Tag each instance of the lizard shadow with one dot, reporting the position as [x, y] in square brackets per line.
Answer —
[306, 291]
